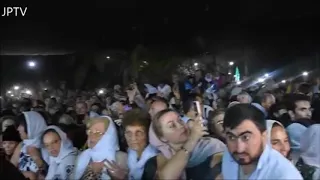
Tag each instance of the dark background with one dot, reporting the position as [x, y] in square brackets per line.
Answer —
[277, 32]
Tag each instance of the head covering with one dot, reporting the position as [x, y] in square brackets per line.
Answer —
[204, 148]
[270, 124]
[36, 125]
[136, 165]
[106, 148]
[165, 90]
[151, 89]
[66, 149]
[310, 146]
[11, 134]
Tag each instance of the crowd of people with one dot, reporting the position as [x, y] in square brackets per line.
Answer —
[197, 127]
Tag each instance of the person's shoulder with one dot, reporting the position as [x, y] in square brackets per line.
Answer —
[283, 168]
[296, 125]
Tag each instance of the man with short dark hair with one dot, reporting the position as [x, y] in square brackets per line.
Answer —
[248, 155]
[299, 109]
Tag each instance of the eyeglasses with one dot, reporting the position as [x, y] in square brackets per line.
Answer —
[138, 134]
[94, 133]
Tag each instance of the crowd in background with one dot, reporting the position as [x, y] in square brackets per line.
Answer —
[195, 127]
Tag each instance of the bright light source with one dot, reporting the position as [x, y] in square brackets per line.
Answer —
[145, 62]
[101, 91]
[283, 81]
[266, 75]
[11, 95]
[31, 64]
[238, 82]
[28, 92]
[229, 73]
[108, 57]
[260, 80]
[305, 73]
[46, 89]
[231, 63]
[9, 92]
[16, 87]
[196, 64]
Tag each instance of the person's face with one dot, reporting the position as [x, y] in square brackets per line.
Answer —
[280, 141]
[81, 108]
[245, 142]
[95, 108]
[174, 130]
[136, 137]
[269, 102]
[6, 123]
[243, 99]
[156, 107]
[52, 143]
[302, 110]
[9, 146]
[22, 132]
[95, 132]
[217, 123]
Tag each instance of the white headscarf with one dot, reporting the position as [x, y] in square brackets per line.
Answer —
[310, 146]
[136, 166]
[36, 125]
[106, 148]
[165, 90]
[64, 162]
[270, 124]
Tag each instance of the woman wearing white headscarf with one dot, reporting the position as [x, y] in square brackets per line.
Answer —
[29, 157]
[62, 153]
[309, 161]
[278, 137]
[103, 146]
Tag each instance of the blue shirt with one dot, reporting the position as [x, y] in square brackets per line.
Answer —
[295, 131]
[271, 165]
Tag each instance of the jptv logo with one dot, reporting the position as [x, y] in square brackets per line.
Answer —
[14, 11]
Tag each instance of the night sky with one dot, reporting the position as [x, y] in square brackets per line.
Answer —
[276, 31]
[123, 24]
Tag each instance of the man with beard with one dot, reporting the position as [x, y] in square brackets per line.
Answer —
[249, 156]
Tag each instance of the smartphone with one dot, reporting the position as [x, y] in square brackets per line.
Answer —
[197, 106]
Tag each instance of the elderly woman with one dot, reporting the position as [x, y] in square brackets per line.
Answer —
[136, 125]
[61, 151]
[309, 161]
[28, 155]
[100, 160]
[278, 137]
[184, 153]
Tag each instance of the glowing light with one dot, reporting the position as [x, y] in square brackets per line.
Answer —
[229, 73]
[266, 75]
[196, 64]
[31, 64]
[260, 80]
[231, 63]
[28, 92]
[283, 81]
[101, 91]
[108, 57]
[11, 95]
[16, 87]
[238, 82]
[305, 73]
[9, 92]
